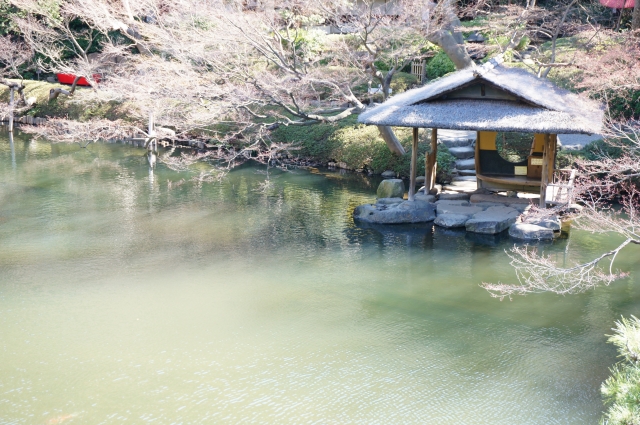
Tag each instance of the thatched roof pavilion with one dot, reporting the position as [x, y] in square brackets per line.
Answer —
[490, 99]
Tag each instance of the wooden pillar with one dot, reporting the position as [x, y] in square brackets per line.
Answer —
[11, 90]
[553, 147]
[430, 163]
[414, 163]
[547, 169]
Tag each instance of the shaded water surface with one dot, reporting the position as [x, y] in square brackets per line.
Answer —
[131, 298]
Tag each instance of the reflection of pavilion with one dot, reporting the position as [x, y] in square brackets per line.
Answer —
[499, 103]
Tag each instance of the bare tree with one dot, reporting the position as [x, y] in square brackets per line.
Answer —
[13, 55]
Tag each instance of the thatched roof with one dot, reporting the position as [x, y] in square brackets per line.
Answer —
[521, 102]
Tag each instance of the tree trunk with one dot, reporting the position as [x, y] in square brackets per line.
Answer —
[635, 22]
[391, 140]
[11, 110]
[456, 52]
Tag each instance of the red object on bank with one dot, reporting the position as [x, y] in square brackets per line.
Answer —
[617, 4]
[69, 78]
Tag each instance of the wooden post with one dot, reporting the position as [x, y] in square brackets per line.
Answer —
[11, 90]
[430, 163]
[414, 163]
[423, 73]
[547, 157]
[553, 146]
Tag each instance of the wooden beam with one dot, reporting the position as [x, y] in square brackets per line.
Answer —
[430, 163]
[547, 158]
[414, 163]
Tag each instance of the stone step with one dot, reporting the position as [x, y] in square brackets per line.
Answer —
[463, 152]
[461, 186]
[466, 164]
[465, 179]
[467, 173]
[455, 142]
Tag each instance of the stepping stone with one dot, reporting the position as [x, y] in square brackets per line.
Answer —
[467, 210]
[465, 179]
[467, 173]
[451, 220]
[461, 186]
[463, 152]
[498, 199]
[530, 232]
[424, 198]
[404, 212]
[466, 164]
[453, 202]
[492, 220]
[521, 207]
[455, 196]
[455, 142]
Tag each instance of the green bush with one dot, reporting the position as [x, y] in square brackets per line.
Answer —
[446, 164]
[439, 65]
[403, 81]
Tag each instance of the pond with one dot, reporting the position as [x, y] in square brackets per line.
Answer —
[131, 297]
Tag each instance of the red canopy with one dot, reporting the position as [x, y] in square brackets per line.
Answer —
[617, 4]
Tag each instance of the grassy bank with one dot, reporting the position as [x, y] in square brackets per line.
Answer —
[359, 147]
[79, 107]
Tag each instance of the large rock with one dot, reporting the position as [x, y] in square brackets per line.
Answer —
[392, 188]
[389, 201]
[404, 212]
[530, 232]
[492, 220]
[451, 220]
[388, 174]
[552, 223]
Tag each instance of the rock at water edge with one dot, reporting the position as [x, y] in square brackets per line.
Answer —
[552, 223]
[493, 220]
[530, 232]
[405, 212]
[391, 188]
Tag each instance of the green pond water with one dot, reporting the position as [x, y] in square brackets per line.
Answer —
[131, 298]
